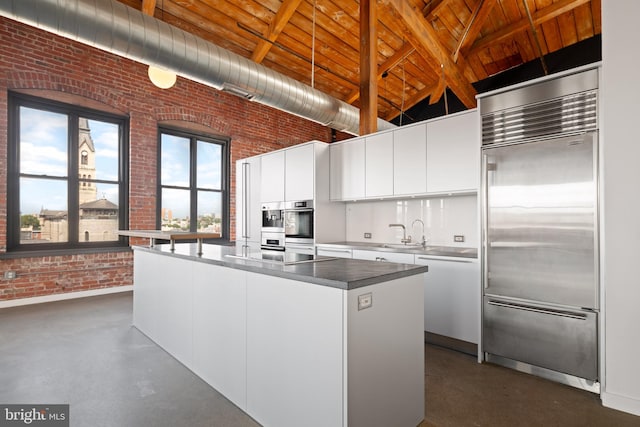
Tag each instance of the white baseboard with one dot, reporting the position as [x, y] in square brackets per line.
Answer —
[621, 403]
[64, 296]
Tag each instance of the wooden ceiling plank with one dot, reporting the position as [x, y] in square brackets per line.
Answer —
[280, 20]
[596, 12]
[430, 46]
[568, 28]
[472, 30]
[408, 103]
[539, 17]
[584, 21]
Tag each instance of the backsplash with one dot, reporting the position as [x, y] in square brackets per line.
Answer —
[443, 218]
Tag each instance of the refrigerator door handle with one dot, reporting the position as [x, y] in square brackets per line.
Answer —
[517, 306]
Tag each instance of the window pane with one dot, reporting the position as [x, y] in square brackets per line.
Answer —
[43, 142]
[175, 160]
[175, 209]
[46, 200]
[99, 217]
[98, 150]
[209, 165]
[210, 212]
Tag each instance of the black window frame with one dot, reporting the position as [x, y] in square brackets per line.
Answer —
[225, 186]
[74, 244]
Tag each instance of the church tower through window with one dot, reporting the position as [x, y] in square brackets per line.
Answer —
[87, 162]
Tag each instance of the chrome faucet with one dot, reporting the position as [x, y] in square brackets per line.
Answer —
[424, 241]
[404, 239]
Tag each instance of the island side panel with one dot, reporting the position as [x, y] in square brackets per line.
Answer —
[162, 302]
[294, 352]
[385, 354]
[219, 329]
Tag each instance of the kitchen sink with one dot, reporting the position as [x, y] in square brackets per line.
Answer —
[401, 245]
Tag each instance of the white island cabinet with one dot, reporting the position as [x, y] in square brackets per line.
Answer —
[333, 343]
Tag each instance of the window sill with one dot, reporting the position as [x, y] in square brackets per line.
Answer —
[15, 254]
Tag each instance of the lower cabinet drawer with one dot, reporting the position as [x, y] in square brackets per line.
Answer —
[561, 340]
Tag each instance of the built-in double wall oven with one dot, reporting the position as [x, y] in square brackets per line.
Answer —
[273, 226]
[287, 224]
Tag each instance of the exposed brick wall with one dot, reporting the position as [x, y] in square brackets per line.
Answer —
[46, 65]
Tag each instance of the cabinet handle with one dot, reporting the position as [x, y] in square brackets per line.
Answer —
[462, 260]
[379, 258]
[245, 208]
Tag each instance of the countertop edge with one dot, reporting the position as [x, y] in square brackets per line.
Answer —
[288, 271]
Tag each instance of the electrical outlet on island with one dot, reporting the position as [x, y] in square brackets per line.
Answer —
[367, 235]
[458, 238]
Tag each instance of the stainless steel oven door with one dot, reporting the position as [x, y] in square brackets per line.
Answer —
[273, 217]
[298, 221]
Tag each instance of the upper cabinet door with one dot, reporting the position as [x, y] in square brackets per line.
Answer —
[410, 160]
[347, 170]
[379, 165]
[272, 173]
[453, 153]
[299, 173]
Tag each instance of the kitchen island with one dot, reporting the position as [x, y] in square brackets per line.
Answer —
[327, 342]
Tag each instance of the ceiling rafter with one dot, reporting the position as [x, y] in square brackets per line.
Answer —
[280, 20]
[539, 17]
[474, 26]
[148, 7]
[425, 39]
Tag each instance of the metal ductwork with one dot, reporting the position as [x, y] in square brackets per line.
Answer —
[127, 32]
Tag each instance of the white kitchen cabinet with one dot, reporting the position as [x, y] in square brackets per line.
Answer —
[452, 297]
[248, 213]
[347, 170]
[299, 182]
[272, 174]
[453, 153]
[379, 165]
[219, 329]
[410, 160]
[333, 252]
[404, 258]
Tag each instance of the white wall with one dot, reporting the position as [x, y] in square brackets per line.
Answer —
[443, 217]
[620, 139]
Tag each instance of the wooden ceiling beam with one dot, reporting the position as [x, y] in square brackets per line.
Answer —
[474, 26]
[425, 40]
[280, 20]
[539, 17]
[148, 7]
[368, 67]
[387, 65]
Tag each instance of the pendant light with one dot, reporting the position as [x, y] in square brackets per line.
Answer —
[164, 79]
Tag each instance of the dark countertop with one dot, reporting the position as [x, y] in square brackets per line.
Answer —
[339, 273]
[450, 251]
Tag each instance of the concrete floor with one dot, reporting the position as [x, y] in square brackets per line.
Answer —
[85, 352]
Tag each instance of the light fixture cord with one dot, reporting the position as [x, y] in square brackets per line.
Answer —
[313, 46]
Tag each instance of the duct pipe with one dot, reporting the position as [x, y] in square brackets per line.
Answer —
[124, 31]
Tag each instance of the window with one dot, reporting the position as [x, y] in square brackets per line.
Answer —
[67, 169]
[194, 184]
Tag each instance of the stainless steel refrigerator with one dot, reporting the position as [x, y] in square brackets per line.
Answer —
[540, 256]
